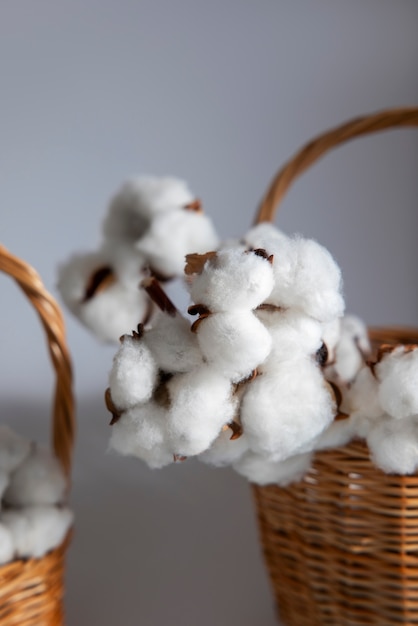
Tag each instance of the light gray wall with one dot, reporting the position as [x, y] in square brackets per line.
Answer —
[220, 93]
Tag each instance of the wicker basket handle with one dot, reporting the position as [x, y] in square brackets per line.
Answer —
[63, 421]
[315, 149]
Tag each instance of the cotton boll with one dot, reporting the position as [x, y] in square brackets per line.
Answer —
[7, 549]
[134, 373]
[224, 450]
[142, 432]
[235, 343]
[331, 332]
[339, 433]
[398, 376]
[263, 235]
[233, 280]
[361, 396]
[173, 235]
[307, 279]
[117, 305]
[393, 445]
[37, 530]
[259, 470]
[285, 410]
[294, 335]
[201, 404]
[351, 350]
[173, 345]
[38, 480]
[138, 201]
[13, 449]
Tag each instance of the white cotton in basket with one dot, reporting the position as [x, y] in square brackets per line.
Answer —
[224, 450]
[138, 201]
[307, 279]
[398, 388]
[38, 480]
[7, 548]
[173, 346]
[13, 449]
[142, 432]
[351, 350]
[172, 235]
[393, 444]
[201, 404]
[234, 343]
[38, 529]
[233, 280]
[286, 408]
[260, 470]
[134, 373]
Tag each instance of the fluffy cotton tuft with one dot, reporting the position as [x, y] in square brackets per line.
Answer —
[259, 470]
[264, 235]
[174, 347]
[235, 343]
[38, 480]
[37, 530]
[13, 449]
[393, 445]
[173, 235]
[307, 279]
[142, 432]
[285, 410]
[118, 305]
[201, 404]
[398, 376]
[224, 450]
[351, 350]
[134, 374]
[233, 280]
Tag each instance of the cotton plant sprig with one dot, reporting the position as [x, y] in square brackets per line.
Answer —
[34, 518]
[150, 225]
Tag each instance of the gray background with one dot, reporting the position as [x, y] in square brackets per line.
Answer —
[221, 94]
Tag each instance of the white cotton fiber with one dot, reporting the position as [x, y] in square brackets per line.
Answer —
[262, 471]
[360, 398]
[235, 343]
[37, 530]
[338, 433]
[139, 200]
[201, 404]
[7, 549]
[113, 310]
[263, 235]
[38, 480]
[142, 432]
[233, 280]
[224, 450]
[173, 235]
[398, 376]
[330, 335]
[294, 335]
[284, 410]
[13, 449]
[351, 350]
[307, 279]
[134, 373]
[173, 345]
[393, 445]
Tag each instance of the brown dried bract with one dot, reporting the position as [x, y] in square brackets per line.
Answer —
[99, 281]
[179, 458]
[237, 430]
[116, 413]
[158, 295]
[272, 308]
[195, 206]
[264, 254]
[195, 262]
[199, 320]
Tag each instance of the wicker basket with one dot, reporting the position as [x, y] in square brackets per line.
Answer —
[341, 545]
[31, 590]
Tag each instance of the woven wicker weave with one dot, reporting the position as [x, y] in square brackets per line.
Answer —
[341, 545]
[31, 590]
